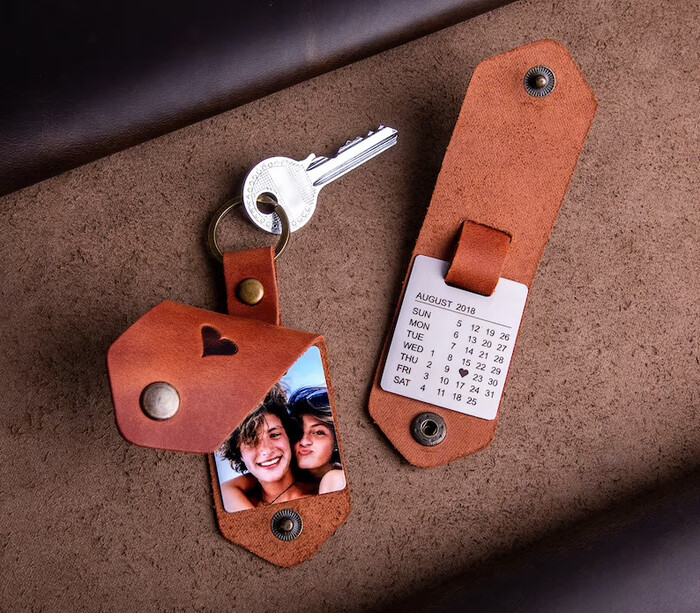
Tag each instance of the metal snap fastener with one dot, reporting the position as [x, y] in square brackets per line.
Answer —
[250, 291]
[287, 525]
[429, 429]
[539, 81]
[160, 400]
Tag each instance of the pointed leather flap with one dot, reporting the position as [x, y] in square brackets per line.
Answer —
[221, 366]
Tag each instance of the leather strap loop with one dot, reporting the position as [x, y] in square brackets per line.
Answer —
[479, 258]
[253, 264]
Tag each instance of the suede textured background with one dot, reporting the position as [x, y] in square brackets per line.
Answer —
[602, 403]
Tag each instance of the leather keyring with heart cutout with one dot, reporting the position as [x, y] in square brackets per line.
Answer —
[189, 380]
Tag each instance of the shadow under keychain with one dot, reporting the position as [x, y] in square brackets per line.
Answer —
[255, 396]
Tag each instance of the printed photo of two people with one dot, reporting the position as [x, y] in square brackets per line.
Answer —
[285, 449]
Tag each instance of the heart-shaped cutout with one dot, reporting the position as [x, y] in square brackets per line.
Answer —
[215, 344]
[463, 372]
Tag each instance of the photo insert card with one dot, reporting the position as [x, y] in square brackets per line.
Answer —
[287, 447]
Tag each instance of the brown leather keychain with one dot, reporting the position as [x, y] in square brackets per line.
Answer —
[518, 137]
[255, 396]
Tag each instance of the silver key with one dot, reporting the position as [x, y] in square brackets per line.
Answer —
[296, 184]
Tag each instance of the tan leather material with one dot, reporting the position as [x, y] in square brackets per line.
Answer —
[216, 391]
[479, 258]
[321, 515]
[254, 264]
[221, 378]
[508, 166]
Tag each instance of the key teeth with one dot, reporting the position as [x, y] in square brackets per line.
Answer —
[349, 144]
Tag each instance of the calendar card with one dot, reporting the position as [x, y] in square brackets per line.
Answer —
[452, 348]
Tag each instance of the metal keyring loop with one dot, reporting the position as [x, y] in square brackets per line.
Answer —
[225, 209]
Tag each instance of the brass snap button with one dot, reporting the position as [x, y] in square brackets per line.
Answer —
[429, 429]
[160, 400]
[250, 291]
[287, 525]
[540, 81]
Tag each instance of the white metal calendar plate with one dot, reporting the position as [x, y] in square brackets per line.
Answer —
[452, 348]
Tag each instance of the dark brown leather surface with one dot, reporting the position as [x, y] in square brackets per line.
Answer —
[642, 558]
[604, 398]
[82, 80]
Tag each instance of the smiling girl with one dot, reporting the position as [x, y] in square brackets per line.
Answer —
[317, 449]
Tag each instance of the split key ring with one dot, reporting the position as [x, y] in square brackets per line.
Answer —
[226, 208]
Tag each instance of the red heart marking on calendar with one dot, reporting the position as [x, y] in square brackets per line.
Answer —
[463, 372]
